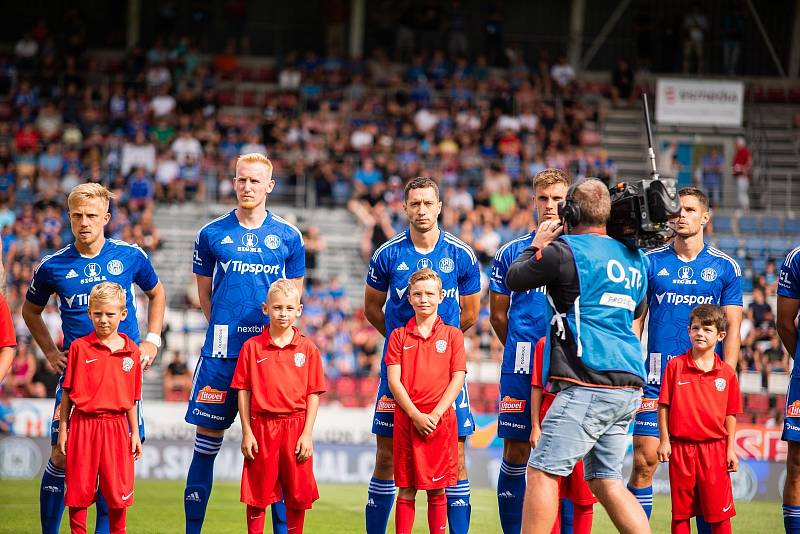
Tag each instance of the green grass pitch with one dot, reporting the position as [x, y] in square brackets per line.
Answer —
[159, 509]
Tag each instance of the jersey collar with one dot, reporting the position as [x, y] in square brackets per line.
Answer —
[693, 366]
[268, 338]
[267, 219]
[411, 327]
[126, 349]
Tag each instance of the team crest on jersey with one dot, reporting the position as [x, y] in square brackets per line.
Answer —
[250, 242]
[299, 359]
[685, 276]
[720, 384]
[793, 409]
[91, 270]
[272, 241]
[115, 267]
[441, 346]
[446, 265]
[402, 266]
[127, 363]
[424, 263]
[708, 274]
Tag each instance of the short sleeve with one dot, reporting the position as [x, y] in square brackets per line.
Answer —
[41, 287]
[732, 289]
[497, 279]
[203, 258]
[72, 362]
[145, 277]
[241, 376]
[7, 335]
[789, 279]
[537, 380]
[378, 274]
[394, 348]
[458, 355]
[296, 258]
[316, 375]
[665, 397]
[469, 274]
[734, 396]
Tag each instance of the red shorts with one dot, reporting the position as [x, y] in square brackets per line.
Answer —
[275, 472]
[699, 481]
[99, 449]
[425, 462]
[573, 486]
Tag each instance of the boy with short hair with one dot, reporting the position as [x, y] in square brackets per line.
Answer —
[426, 366]
[697, 411]
[280, 377]
[573, 490]
[100, 437]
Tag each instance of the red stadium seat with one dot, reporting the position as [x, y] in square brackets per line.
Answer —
[762, 418]
[226, 98]
[475, 390]
[250, 99]
[491, 393]
[368, 385]
[744, 418]
[780, 402]
[757, 403]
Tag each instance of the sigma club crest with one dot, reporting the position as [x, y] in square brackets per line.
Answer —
[299, 359]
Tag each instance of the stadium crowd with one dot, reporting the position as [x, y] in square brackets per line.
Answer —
[156, 127]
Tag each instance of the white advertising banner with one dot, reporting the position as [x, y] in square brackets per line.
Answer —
[699, 102]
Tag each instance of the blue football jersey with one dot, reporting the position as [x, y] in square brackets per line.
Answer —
[72, 276]
[527, 311]
[396, 260]
[675, 287]
[243, 263]
[789, 287]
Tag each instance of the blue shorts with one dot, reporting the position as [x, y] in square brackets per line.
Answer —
[646, 421]
[514, 420]
[383, 420]
[588, 423]
[791, 422]
[57, 416]
[213, 404]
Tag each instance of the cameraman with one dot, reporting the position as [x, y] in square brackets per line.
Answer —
[595, 286]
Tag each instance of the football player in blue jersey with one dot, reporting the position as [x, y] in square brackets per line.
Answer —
[236, 258]
[70, 274]
[680, 275]
[519, 320]
[788, 306]
[386, 306]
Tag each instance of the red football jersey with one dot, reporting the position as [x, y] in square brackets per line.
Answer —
[7, 336]
[101, 381]
[699, 401]
[280, 379]
[426, 364]
[536, 378]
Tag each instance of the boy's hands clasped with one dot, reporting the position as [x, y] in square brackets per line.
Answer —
[425, 423]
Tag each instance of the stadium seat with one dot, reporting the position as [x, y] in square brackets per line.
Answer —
[491, 392]
[729, 245]
[346, 388]
[780, 402]
[759, 264]
[744, 418]
[754, 246]
[757, 402]
[723, 224]
[776, 247]
[777, 383]
[771, 225]
[791, 227]
[748, 225]
[368, 385]
[762, 418]
[747, 284]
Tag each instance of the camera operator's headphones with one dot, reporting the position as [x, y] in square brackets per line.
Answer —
[568, 209]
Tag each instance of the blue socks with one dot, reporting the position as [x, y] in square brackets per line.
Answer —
[199, 481]
[278, 511]
[380, 499]
[702, 526]
[645, 498]
[510, 495]
[102, 523]
[567, 511]
[51, 498]
[791, 519]
[458, 507]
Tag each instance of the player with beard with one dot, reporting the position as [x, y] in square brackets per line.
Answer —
[236, 258]
[681, 275]
[386, 306]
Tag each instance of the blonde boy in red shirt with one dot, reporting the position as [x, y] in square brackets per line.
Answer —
[102, 382]
[280, 377]
[426, 365]
[697, 425]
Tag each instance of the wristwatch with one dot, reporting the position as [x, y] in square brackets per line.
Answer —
[153, 338]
